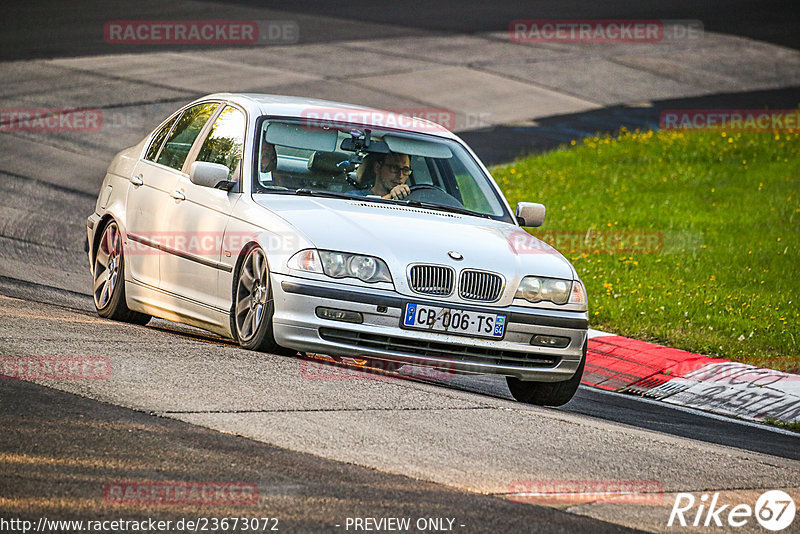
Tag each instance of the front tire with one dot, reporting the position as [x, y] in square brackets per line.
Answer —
[547, 393]
[109, 279]
[253, 304]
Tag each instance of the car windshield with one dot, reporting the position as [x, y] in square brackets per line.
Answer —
[356, 161]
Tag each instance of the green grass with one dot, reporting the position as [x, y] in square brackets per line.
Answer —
[726, 282]
[788, 425]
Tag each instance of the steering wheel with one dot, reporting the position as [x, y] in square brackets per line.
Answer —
[432, 193]
[422, 187]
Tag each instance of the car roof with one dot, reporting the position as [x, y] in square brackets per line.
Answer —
[337, 112]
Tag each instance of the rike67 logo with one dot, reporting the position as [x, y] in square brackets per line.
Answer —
[774, 510]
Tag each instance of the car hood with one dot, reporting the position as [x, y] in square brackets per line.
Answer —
[402, 235]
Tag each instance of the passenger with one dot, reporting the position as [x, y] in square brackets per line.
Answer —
[390, 172]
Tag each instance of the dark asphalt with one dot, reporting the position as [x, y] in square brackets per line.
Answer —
[617, 408]
[52, 28]
[59, 451]
[49, 28]
[774, 21]
[669, 420]
[500, 144]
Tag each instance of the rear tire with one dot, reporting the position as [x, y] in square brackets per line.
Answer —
[109, 279]
[547, 393]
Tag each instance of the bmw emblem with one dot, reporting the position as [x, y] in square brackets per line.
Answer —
[455, 255]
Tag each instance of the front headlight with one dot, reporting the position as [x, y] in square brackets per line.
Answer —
[557, 291]
[341, 265]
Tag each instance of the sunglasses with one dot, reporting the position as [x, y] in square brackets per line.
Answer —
[394, 169]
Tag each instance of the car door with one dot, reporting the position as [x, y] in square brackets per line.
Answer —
[148, 230]
[148, 193]
[203, 212]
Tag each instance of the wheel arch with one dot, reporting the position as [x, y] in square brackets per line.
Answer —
[98, 233]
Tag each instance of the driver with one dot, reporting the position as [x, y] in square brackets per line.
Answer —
[267, 165]
[269, 157]
[391, 172]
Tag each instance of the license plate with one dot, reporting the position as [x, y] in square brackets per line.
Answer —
[454, 321]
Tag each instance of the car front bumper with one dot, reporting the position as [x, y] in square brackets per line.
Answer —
[297, 326]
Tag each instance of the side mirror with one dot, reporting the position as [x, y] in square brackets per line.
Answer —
[209, 175]
[530, 213]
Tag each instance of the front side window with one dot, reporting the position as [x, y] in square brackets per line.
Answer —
[224, 143]
[158, 139]
[184, 133]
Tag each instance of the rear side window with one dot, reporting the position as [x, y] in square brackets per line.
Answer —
[158, 140]
[224, 143]
[183, 135]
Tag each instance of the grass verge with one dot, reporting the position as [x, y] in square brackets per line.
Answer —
[684, 238]
[788, 425]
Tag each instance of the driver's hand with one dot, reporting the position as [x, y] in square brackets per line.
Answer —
[399, 192]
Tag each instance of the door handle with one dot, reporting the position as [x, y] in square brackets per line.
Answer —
[137, 180]
[177, 195]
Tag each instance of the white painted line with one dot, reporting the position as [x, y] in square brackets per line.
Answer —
[598, 333]
[695, 411]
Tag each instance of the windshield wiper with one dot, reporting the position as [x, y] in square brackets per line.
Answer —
[413, 203]
[326, 194]
[276, 188]
[443, 207]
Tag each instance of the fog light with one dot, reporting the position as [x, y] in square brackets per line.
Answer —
[339, 315]
[555, 342]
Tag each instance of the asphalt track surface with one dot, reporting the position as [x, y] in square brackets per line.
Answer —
[90, 444]
[625, 409]
[315, 451]
[50, 28]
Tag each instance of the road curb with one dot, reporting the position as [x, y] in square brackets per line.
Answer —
[625, 365]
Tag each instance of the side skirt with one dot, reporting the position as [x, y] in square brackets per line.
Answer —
[159, 303]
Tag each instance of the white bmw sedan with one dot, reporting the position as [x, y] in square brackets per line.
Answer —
[291, 224]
